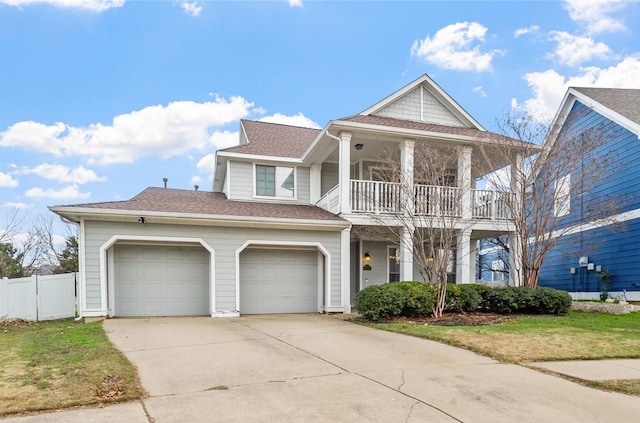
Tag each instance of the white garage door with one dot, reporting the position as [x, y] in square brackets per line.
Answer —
[161, 281]
[278, 281]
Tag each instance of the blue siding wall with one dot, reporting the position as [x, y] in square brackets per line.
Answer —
[615, 249]
[618, 185]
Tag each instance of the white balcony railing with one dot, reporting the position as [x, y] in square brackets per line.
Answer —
[493, 205]
[429, 200]
[375, 197]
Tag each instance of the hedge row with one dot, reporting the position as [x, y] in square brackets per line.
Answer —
[417, 299]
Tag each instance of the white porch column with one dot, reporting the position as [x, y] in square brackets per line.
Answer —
[345, 270]
[406, 255]
[516, 276]
[463, 262]
[464, 181]
[344, 172]
[473, 262]
[407, 171]
[314, 182]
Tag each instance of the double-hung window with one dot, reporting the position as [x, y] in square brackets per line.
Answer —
[275, 181]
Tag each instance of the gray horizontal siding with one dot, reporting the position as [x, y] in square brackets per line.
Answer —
[328, 177]
[242, 184]
[225, 241]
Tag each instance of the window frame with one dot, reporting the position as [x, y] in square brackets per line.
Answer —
[562, 199]
[294, 195]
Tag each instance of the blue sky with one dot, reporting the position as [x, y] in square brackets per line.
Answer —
[100, 99]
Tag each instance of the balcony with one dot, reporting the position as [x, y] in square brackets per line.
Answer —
[374, 197]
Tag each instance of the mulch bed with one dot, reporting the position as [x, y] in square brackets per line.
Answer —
[456, 319]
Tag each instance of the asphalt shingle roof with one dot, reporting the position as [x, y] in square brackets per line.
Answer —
[427, 127]
[275, 140]
[624, 101]
[209, 203]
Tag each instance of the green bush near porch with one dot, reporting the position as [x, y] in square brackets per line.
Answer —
[416, 299]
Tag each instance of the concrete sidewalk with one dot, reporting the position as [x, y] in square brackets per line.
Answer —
[292, 368]
[594, 370]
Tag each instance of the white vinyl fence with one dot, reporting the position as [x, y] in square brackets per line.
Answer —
[38, 297]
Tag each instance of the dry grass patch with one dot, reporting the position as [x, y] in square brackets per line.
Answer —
[61, 364]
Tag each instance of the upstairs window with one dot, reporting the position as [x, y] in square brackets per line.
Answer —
[275, 181]
[562, 196]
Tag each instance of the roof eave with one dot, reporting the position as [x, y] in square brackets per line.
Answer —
[76, 214]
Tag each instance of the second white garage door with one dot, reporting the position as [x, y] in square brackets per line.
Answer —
[278, 281]
[161, 280]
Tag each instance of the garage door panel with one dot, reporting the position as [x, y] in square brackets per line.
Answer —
[161, 281]
[278, 281]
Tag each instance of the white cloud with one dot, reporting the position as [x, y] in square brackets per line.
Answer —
[573, 50]
[167, 131]
[196, 179]
[15, 205]
[68, 193]
[456, 47]
[294, 120]
[549, 86]
[480, 91]
[7, 181]
[205, 164]
[190, 8]
[295, 3]
[224, 139]
[595, 14]
[63, 174]
[523, 31]
[91, 5]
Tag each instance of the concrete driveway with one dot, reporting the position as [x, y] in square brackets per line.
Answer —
[298, 368]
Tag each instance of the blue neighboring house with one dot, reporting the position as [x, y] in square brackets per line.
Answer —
[593, 247]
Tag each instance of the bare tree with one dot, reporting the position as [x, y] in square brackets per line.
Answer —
[541, 189]
[34, 241]
[426, 205]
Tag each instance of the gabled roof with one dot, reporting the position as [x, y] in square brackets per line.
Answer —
[620, 105]
[624, 101]
[199, 204]
[434, 89]
[274, 140]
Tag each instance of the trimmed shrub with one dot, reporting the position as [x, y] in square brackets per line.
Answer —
[464, 297]
[552, 301]
[509, 300]
[419, 298]
[410, 299]
[380, 302]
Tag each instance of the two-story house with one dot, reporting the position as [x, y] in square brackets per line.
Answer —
[607, 243]
[282, 229]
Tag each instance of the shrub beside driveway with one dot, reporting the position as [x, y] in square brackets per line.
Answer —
[61, 364]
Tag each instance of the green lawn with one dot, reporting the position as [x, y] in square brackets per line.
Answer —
[61, 364]
[525, 339]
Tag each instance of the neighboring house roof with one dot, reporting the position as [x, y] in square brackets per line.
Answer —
[427, 127]
[274, 139]
[201, 203]
[624, 101]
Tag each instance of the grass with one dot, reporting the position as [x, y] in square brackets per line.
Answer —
[525, 339]
[61, 364]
